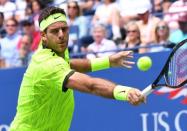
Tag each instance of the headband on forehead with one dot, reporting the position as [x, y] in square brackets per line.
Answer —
[52, 19]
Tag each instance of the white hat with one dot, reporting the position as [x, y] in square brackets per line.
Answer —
[142, 6]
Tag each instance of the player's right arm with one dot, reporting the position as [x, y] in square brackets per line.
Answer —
[101, 87]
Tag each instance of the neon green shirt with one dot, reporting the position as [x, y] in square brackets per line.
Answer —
[44, 104]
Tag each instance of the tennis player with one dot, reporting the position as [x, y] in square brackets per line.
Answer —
[46, 101]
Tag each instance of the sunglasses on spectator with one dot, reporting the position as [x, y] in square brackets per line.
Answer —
[73, 7]
[131, 31]
[161, 27]
[11, 25]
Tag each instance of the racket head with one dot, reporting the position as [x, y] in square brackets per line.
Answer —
[174, 72]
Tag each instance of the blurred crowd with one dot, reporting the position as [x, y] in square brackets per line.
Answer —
[96, 27]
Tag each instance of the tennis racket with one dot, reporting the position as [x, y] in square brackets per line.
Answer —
[174, 72]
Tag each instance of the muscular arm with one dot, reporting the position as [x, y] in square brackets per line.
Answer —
[80, 65]
[120, 59]
[101, 87]
[85, 83]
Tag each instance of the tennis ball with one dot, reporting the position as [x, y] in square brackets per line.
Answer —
[144, 63]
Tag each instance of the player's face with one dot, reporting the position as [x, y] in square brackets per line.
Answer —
[56, 37]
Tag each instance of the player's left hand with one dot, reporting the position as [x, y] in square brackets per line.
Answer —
[121, 59]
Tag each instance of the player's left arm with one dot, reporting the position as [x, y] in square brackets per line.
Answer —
[120, 59]
[80, 65]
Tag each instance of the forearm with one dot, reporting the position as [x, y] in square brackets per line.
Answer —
[96, 86]
[102, 87]
[86, 65]
[80, 65]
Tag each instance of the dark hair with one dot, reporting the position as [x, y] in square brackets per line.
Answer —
[27, 22]
[112, 1]
[2, 15]
[46, 12]
[12, 19]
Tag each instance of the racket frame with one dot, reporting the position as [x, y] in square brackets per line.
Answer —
[149, 89]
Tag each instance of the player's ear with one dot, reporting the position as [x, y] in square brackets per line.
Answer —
[43, 35]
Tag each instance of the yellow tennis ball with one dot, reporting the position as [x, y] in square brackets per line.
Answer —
[144, 63]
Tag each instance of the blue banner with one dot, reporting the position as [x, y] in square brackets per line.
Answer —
[93, 113]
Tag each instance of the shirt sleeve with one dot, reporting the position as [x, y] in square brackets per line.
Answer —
[64, 88]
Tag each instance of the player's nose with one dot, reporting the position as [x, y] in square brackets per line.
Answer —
[61, 34]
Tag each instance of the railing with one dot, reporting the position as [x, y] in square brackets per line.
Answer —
[83, 54]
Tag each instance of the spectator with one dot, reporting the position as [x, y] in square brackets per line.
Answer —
[133, 37]
[181, 33]
[25, 51]
[9, 51]
[108, 14]
[78, 25]
[28, 11]
[28, 28]
[20, 9]
[161, 7]
[87, 6]
[162, 33]
[166, 4]
[24, 10]
[2, 29]
[173, 13]
[147, 22]
[100, 44]
[127, 10]
[36, 6]
[157, 6]
[8, 8]
[75, 18]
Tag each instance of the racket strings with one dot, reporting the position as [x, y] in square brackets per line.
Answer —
[177, 71]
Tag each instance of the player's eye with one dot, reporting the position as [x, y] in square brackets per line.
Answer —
[64, 29]
[54, 31]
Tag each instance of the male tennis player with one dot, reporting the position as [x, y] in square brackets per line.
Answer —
[46, 100]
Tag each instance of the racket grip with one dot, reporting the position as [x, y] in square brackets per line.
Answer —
[148, 90]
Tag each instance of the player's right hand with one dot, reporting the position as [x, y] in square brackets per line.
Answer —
[135, 97]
